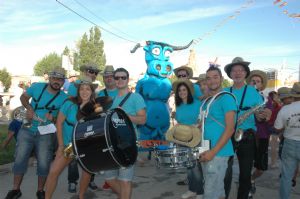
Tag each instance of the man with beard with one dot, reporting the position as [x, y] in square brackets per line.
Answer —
[247, 98]
[39, 133]
[218, 129]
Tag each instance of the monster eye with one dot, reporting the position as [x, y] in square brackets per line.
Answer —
[168, 68]
[156, 51]
[158, 67]
[167, 53]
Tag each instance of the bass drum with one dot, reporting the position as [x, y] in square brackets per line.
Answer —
[105, 141]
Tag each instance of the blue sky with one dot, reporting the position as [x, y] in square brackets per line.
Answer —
[261, 33]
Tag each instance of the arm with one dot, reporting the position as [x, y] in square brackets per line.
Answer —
[229, 129]
[139, 118]
[59, 124]
[25, 102]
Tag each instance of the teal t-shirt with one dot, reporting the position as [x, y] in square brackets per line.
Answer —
[252, 98]
[188, 113]
[69, 110]
[212, 129]
[197, 91]
[111, 93]
[35, 91]
[132, 105]
[72, 90]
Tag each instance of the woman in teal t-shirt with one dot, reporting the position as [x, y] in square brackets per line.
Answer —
[67, 117]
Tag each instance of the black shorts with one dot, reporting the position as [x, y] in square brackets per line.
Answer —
[261, 155]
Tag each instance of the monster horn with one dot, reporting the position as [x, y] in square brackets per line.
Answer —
[181, 47]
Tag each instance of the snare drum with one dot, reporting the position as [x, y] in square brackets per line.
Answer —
[105, 141]
[174, 157]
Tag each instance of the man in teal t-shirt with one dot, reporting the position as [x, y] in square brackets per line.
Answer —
[47, 99]
[109, 82]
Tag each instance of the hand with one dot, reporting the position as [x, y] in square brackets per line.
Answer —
[29, 113]
[49, 116]
[206, 156]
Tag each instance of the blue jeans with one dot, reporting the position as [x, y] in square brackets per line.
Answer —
[195, 179]
[123, 174]
[214, 173]
[42, 146]
[290, 158]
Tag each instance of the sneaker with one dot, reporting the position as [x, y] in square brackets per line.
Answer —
[199, 197]
[40, 194]
[106, 186]
[93, 186]
[188, 194]
[13, 194]
[253, 188]
[183, 182]
[72, 187]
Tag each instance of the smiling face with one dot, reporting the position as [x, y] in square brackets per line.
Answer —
[238, 73]
[214, 80]
[182, 74]
[85, 92]
[121, 80]
[109, 81]
[56, 83]
[183, 92]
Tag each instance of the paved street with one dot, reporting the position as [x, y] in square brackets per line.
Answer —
[149, 183]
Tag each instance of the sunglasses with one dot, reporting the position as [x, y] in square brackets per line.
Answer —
[120, 77]
[182, 76]
[92, 72]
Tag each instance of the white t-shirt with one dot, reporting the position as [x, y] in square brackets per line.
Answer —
[289, 119]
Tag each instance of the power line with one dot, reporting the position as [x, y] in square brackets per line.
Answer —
[108, 31]
[90, 11]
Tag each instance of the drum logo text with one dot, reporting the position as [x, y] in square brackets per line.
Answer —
[88, 134]
[118, 122]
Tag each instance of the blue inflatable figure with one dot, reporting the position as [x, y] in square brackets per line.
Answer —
[155, 87]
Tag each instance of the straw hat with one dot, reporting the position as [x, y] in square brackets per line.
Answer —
[261, 74]
[184, 135]
[184, 67]
[108, 70]
[187, 82]
[85, 80]
[237, 61]
[295, 92]
[284, 92]
[200, 78]
[90, 66]
[58, 73]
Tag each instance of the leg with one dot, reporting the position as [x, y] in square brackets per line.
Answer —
[288, 166]
[44, 154]
[274, 146]
[245, 154]
[84, 183]
[56, 169]
[126, 189]
[73, 173]
[228, 177]
[111, 179]
[196, 180]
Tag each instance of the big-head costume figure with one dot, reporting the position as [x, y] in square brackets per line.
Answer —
[155, 87]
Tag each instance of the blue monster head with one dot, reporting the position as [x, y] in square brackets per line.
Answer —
[157, 55]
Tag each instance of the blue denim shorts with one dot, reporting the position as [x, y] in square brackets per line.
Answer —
[123, 174]
[214, 173]
[42, 146]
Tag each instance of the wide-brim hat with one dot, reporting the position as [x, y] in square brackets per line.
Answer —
[184, 67]
[284, 92]
[85, 80]
[93, 67]
[261, 74]
[237, 61]
[108, 70]
[184, 135]
[187, 82]
[200, 78]
[73, 74]
[295, 91]
[58, 73]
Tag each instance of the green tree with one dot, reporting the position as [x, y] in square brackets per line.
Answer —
[90, 49]
[66, 51]
[47, 63]
[226, 83]
[5, 78]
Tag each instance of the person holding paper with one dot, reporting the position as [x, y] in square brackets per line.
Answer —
[46, 99]
[69, 114]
